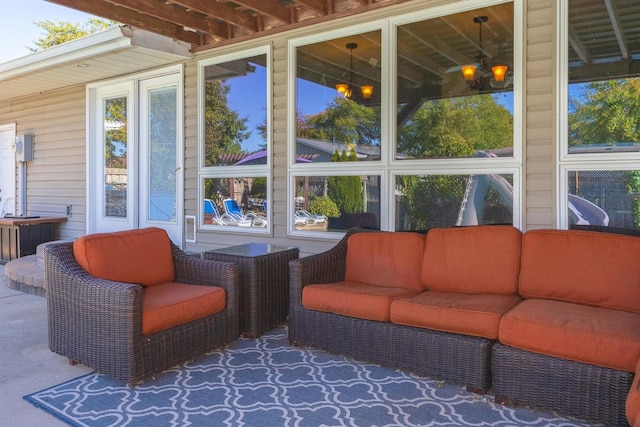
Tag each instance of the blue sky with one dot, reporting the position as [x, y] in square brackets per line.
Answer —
[17, 28]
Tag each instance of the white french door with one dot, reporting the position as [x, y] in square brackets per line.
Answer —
[7, 169]
[135, 178]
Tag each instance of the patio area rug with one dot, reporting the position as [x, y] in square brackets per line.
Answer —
[266, 382]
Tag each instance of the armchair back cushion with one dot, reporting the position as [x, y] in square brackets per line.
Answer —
[141, 256]
[480, 259]
[587, 267]
[385, 259]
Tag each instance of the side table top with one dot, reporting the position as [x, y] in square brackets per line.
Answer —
[253, 249]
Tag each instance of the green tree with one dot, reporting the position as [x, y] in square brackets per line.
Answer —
[345, 191]
[605, 112]
[57, 31]
[343, 121]
[456, 127]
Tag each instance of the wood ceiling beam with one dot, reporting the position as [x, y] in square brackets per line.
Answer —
[319, 6]
[170, 13]
[580, 49]
[132, 18]
[271, 9]
[220, 11]
[617, 28]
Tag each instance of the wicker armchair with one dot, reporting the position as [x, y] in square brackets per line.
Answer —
[98, 322]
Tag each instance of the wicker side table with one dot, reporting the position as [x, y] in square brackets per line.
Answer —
[264, 278]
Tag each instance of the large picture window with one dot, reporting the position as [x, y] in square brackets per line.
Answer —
[235, 141]
[601, 143]
[417, 113]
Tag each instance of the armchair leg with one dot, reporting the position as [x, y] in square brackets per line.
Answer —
[72, 362]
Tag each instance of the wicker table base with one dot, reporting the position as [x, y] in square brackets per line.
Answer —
[264, 278]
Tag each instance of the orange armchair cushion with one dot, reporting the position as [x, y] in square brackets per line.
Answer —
[171, 304]
[354, 299]
[141, 256]
[481, 259]
[385, 259]
[595, 335]
[582, 266]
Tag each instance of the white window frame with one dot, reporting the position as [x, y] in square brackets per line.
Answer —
[388, 167]
[577, 161]
[250, 171]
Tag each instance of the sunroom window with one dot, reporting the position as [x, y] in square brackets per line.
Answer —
[235, 142]
[394, 110]
[601, 144]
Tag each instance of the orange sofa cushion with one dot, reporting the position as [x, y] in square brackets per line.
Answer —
[595, 335]
[385, 259]
[632, 408]
[482, 259]
[477, 315]
[582, 266]
[170, 304]
[141, 256]
[354, 299]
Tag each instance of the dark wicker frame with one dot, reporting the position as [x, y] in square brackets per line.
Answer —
[439, 355]
[99, 322]
[576, 389]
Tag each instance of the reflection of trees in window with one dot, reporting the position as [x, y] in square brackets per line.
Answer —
[162, 139]
[456, 127]
[345, 191]
[115, 134]
[605, 112]
[344, 121]
[224, 128]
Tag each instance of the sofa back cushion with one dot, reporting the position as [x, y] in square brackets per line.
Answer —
[385, 259]
[140, 256]
[479, 259]
[587, 267]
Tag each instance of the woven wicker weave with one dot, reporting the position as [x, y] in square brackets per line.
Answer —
[99, 322]
[577, 389]
[456, 358]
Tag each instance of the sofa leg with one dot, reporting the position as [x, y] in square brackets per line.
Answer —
[501, 400]
[477, 390]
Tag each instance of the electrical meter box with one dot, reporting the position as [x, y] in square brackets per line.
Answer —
[24, 148]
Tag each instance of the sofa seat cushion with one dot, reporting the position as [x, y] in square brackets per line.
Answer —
[632, 408]
[171, 304]
[141, 256]
[595, 335]
[482, 259]
[353, 299]
[468, 314]
[585, 267]
[385, 259]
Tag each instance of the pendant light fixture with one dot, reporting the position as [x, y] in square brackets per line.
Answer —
[479, 75]
[347, 90]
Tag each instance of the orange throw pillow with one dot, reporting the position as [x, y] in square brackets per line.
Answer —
[140, 256]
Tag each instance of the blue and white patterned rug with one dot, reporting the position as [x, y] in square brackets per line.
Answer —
[266, 382]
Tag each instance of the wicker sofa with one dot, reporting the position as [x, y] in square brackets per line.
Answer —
[130, 304]
[548, 318]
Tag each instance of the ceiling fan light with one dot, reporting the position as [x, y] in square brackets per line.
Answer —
[499, 72]
[469, 72]
[367, 91]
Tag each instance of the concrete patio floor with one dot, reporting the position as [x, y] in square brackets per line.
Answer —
[27, 365]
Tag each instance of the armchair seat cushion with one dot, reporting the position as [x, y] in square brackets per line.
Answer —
[354, 299]
[141, 256]
[170, 304]
[594, 335]
[469, 314]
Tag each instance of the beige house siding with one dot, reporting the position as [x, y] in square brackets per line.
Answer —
[540, 143]
[56, 176]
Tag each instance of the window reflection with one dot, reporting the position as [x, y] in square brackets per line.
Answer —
[235, 108]
[428, 201]
[336, 203]
[235, 202]
[116, 155]
[338, 98]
